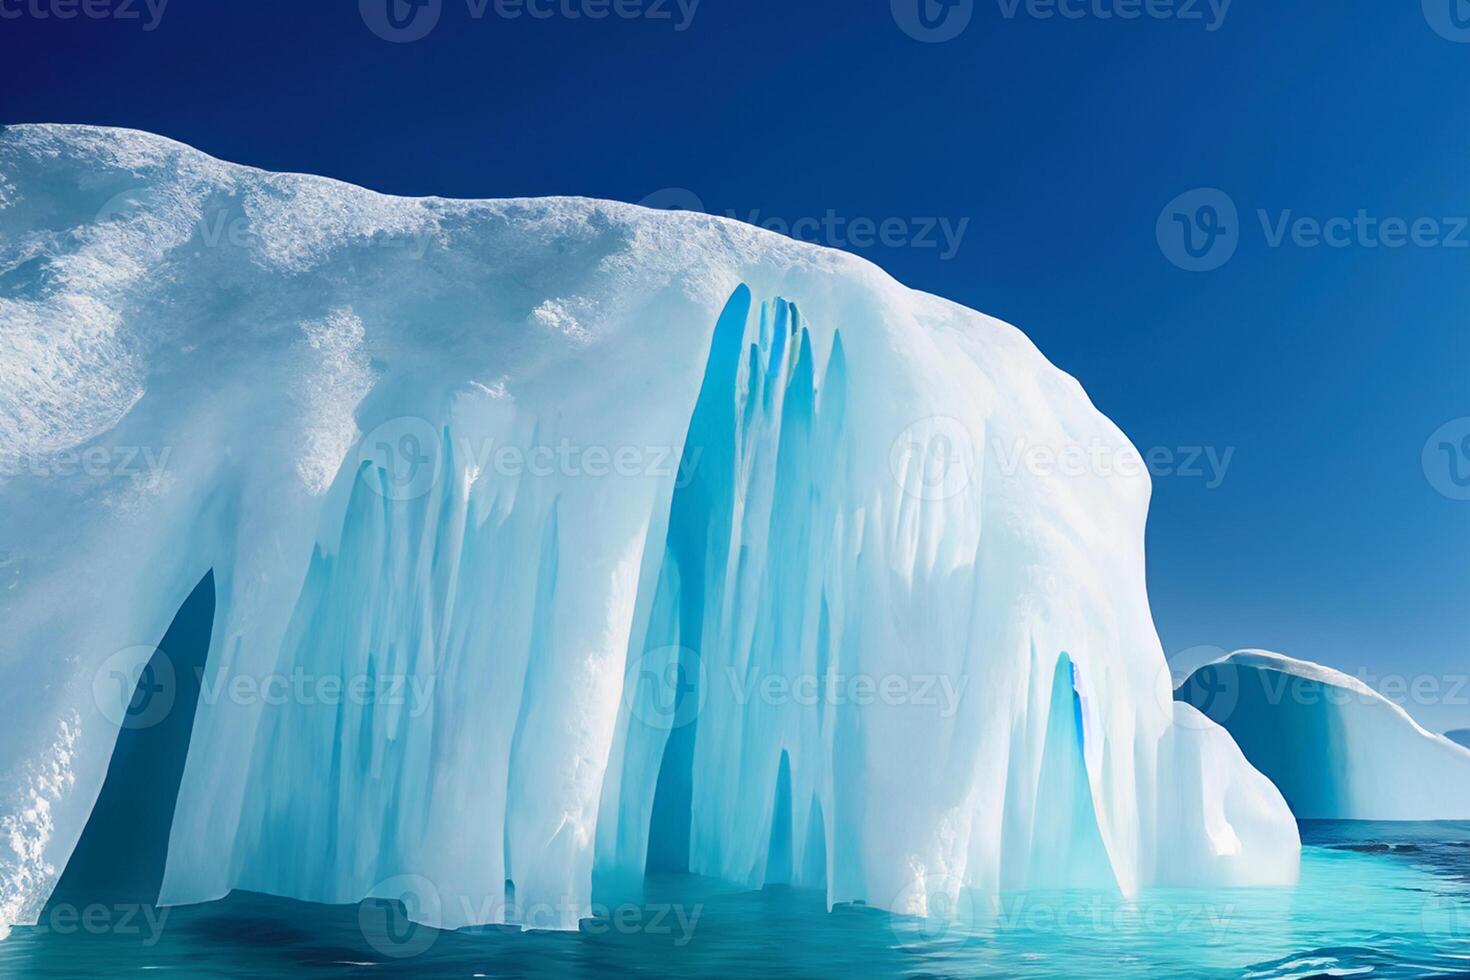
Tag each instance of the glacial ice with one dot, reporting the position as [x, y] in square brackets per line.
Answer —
[558, 540]
[1336, 748]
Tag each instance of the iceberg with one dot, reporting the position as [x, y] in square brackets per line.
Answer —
[1336, 748]
[556, 541]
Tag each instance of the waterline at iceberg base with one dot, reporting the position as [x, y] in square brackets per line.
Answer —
[1373, 900]
[554, 544]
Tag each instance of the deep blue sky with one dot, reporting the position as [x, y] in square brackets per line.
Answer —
[1061, 141]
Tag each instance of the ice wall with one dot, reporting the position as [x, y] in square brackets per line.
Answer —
[556, 540]
[1336, 748]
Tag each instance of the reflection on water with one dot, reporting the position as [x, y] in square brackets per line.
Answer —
[1382, 900]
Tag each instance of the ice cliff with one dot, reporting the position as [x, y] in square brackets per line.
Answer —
[557, 540]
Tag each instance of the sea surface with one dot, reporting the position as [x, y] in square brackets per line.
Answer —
[1375, 900]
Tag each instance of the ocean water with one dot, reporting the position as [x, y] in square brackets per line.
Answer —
[1375, 900]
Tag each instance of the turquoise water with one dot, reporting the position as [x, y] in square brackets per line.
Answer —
[1375, 900]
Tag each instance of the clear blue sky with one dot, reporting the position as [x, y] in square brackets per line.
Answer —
[1061, 141]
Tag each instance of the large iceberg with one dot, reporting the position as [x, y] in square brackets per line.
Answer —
[557, 540]
[1337, 749]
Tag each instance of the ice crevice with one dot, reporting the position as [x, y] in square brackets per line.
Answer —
[726, 583]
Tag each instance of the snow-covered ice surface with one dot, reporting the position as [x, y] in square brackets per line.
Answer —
[557, 538]
[1337, 749]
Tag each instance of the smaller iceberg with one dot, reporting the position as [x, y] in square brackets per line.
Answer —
[1336, 748]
